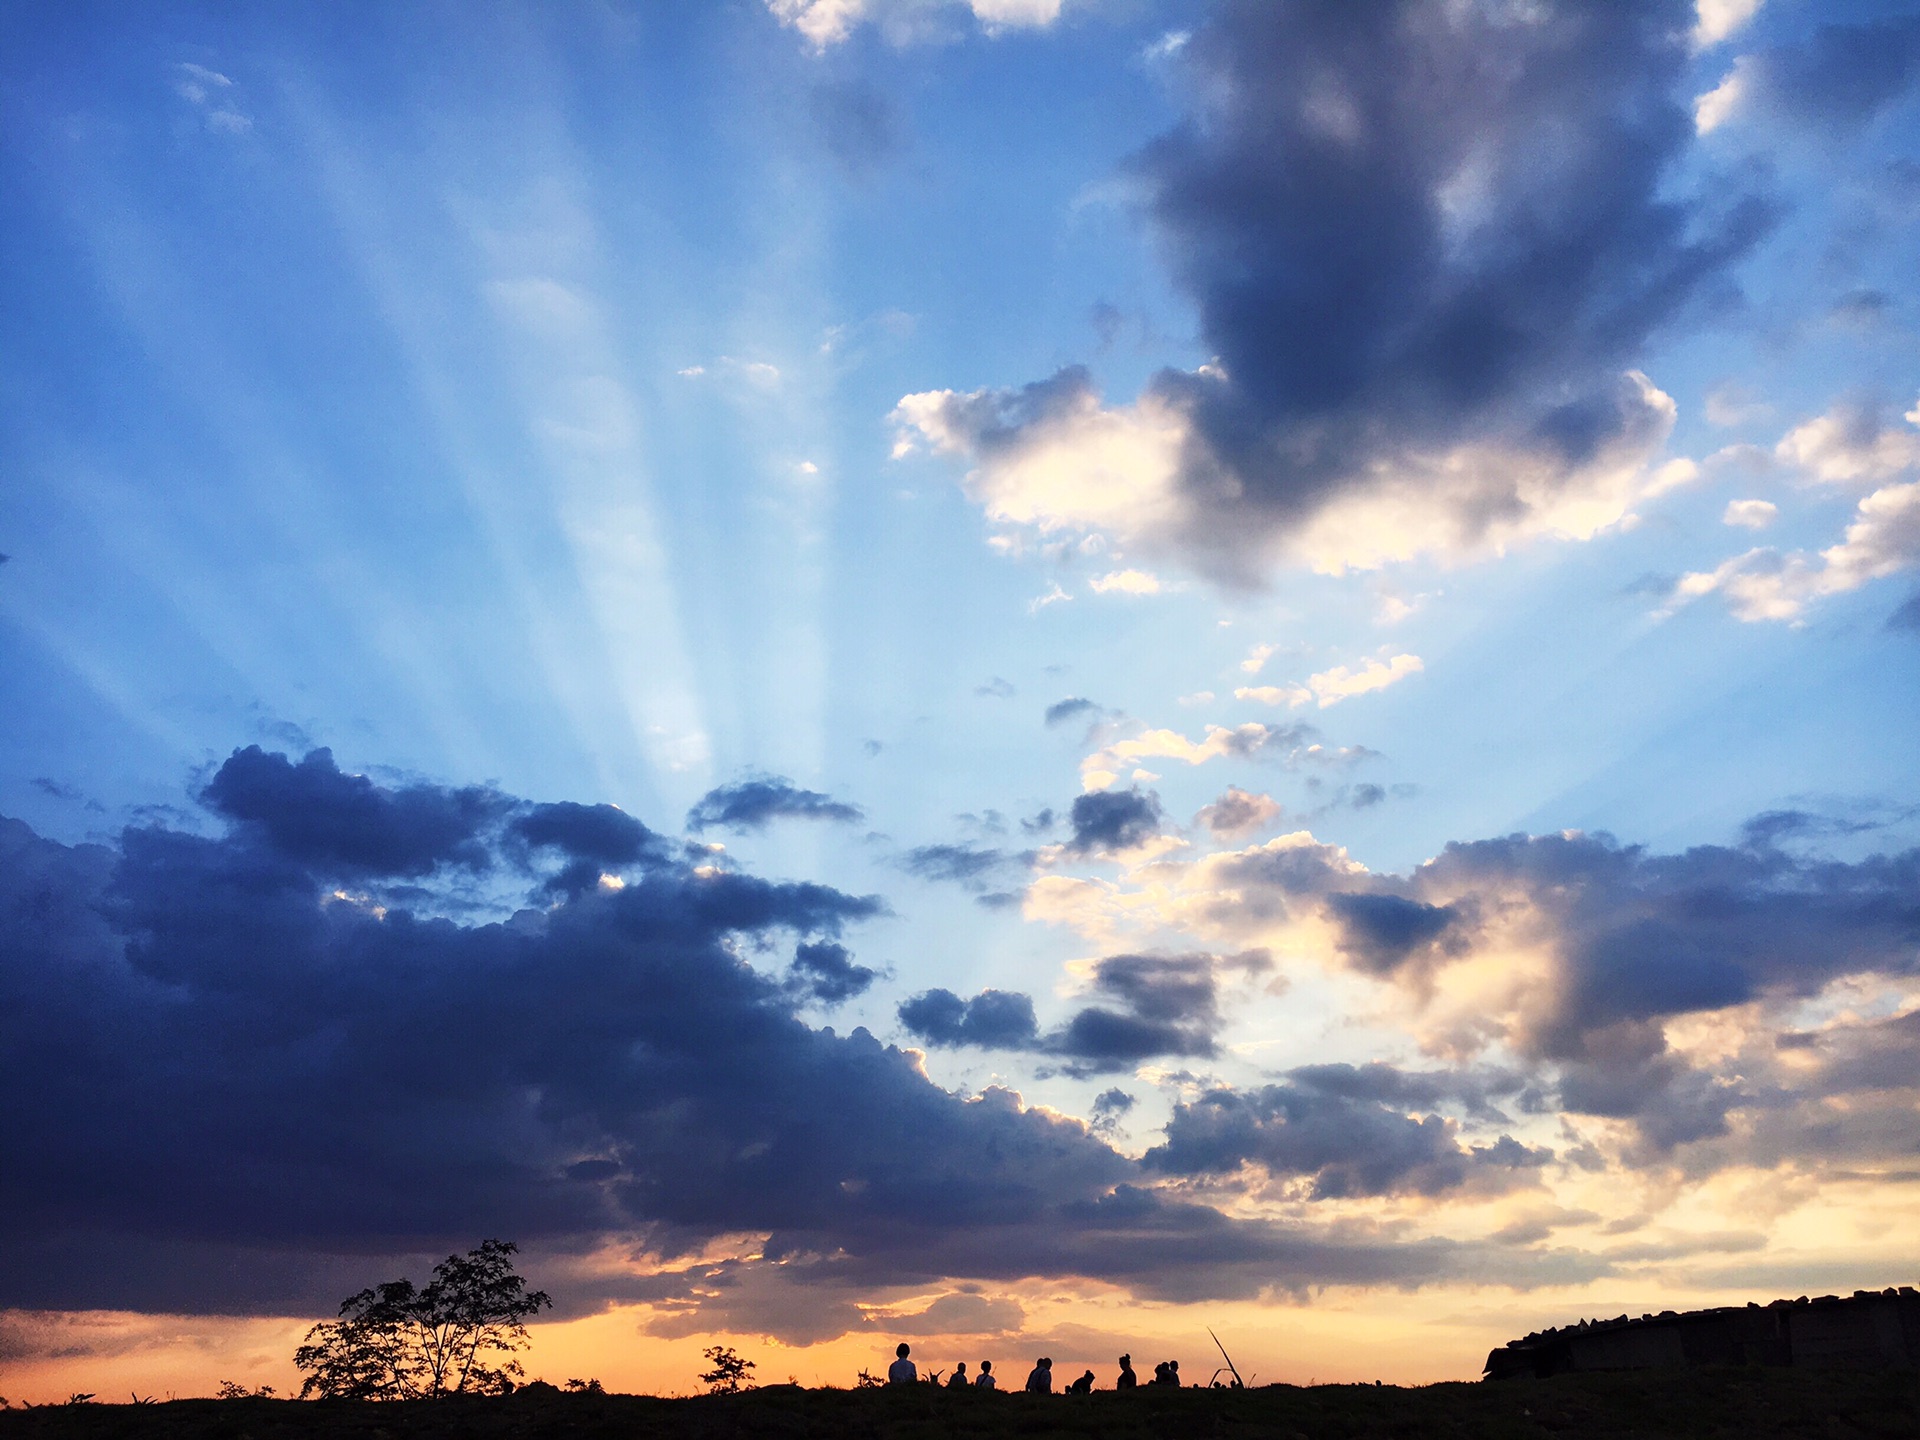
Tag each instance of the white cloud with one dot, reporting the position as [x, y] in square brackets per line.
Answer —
[828, 22]
[1053, 458]
[1342, 682]
[1718, 105]
[1103, 767]
[1127, 582]
[1750, 514]
[1851, 445]
[1765, 584]
[692, 372]
[1257, 657]
[1054, 596]
[1716, 20]
[1081, 467]
[1198, 697]
[210, 92]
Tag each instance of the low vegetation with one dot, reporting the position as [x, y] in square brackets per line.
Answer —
[1737, 1404]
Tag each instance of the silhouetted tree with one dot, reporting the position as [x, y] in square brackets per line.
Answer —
[395, 1342]
[729, 1373]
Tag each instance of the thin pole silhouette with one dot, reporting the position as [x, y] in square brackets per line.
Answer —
[1226, 1357]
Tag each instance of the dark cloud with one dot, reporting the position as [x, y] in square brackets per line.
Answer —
[1387, 272]
[1041, 823]
[1837, 78]
[1861, 309]
[1379, 932]
[1076, 708]
[1343, 1132]
[750, 804]
[1384, 266]
[1239, 812]
[824, 970]
[991, 1020]
[859, 124]
[1907, 617]
[1148, 1005]
[969, 865]
[1107, 820]
[591, 840]
[345, 825]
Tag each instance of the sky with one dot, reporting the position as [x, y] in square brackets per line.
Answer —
[1025, 674]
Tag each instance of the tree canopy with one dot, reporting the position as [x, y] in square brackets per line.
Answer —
[398, 1342]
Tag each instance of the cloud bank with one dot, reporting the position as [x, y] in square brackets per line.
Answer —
[1425, 302]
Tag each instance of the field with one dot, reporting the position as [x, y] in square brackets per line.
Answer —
[1750, 1404]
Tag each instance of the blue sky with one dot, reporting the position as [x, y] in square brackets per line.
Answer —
[1432, 427]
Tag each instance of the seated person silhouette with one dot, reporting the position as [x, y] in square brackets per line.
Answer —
[1040, 1382]
[1173, 1372]
[902, 1371]
[1082, 1386]
[985, 1380]
[958, 1380]
[1127, 1378]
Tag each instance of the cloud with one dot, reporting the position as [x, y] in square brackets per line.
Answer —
[1126, 582]
[750, 804]
[1595, 967]
[1339, 1140]
[345, 825]
[824, 971]
[1766, 584]
[829, 22]
[1074, 708]
[1425, 321]
[991, 1020]
[1907, 617]
[1108, 820]
[1241, 742]
[1750, 514]
[250, 1087]
[1839, 78]
[970, 866]
[1854, 446]
[858, 123]
[1330, 687]
[212, 95]
[995, 688]
[1147, 1006]
[1718, 20]
[1239, 812]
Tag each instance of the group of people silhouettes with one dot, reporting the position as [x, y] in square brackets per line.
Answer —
[1039, 1380]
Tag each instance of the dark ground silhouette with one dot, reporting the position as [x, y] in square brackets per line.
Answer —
[1750, 1404]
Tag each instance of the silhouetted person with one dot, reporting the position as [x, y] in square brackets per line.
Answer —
[1160, 1373]
[1127, 1378]
[1173, 1373]
[902, 1371]
[958, 1380]
[985, 1380]
[1040, 1382]
[1082, 1386]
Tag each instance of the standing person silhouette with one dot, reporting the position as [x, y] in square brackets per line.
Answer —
[1127, 1378]
[903, 1371]
[958, 1380]
[985, 1380]
[1040, 1382]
